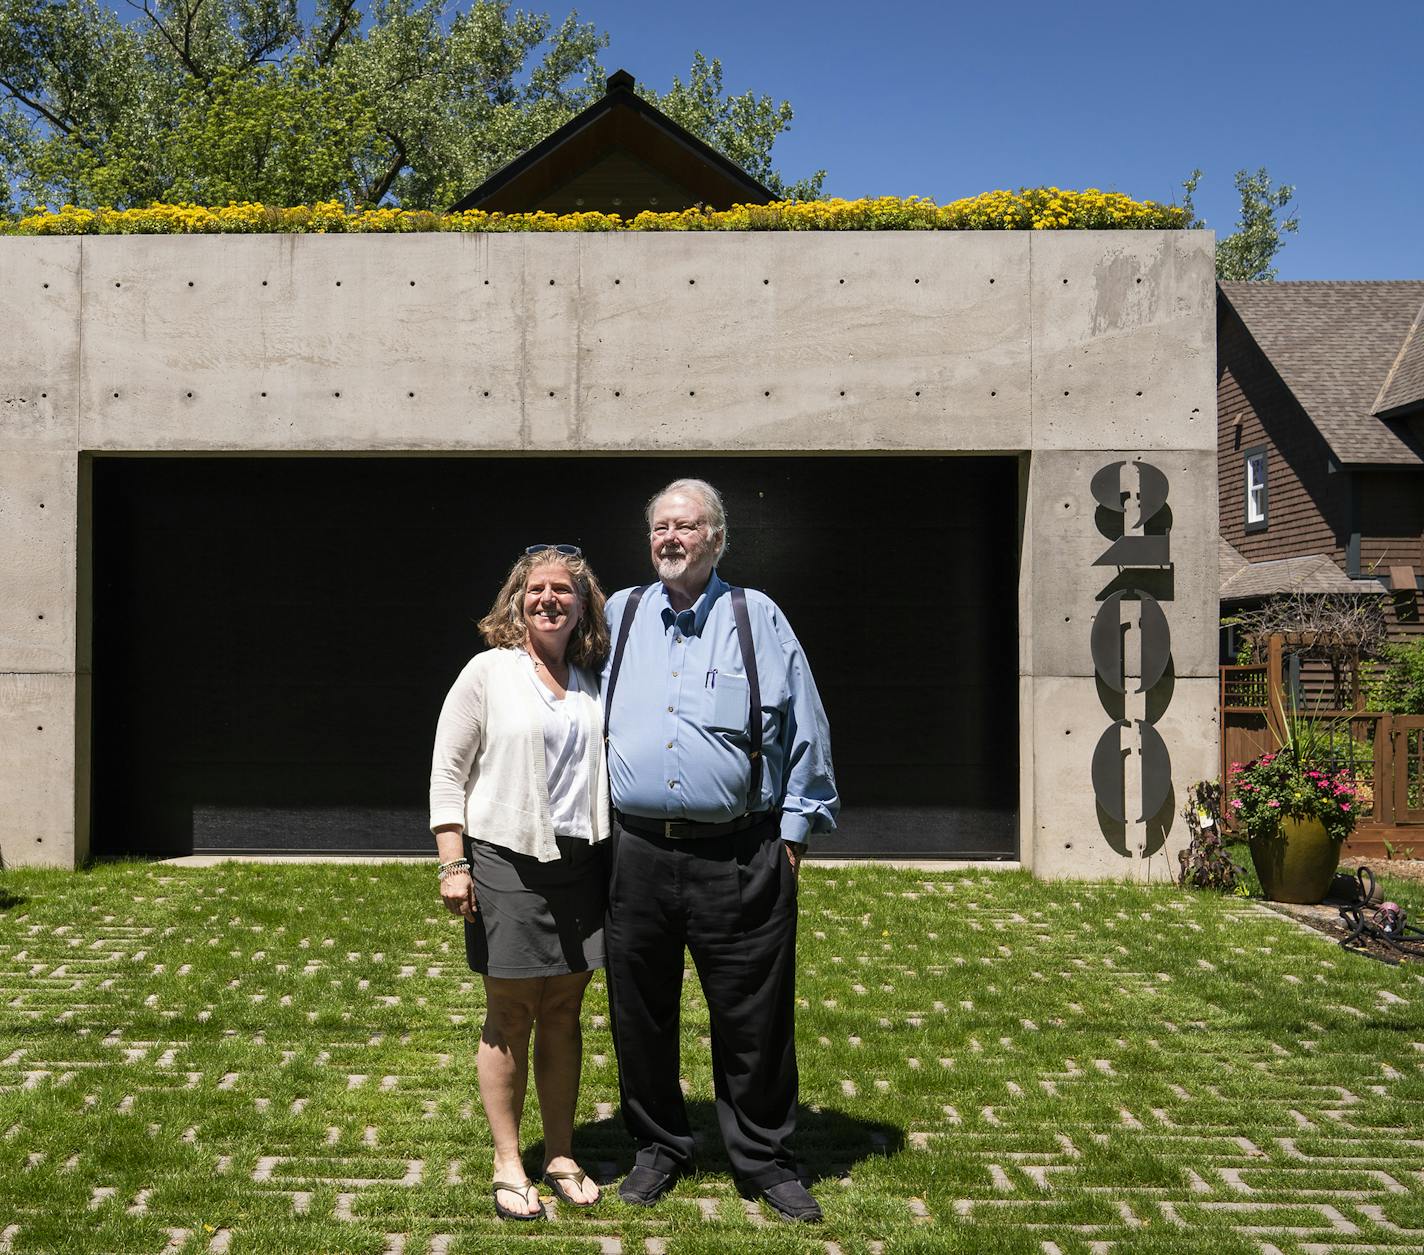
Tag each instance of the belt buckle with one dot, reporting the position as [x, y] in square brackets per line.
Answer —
[667, 829]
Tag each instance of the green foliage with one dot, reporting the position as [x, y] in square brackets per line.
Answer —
[244, 100]
[742, 128]
[1396, 682]
[1294, 782]
[1205, 863]
[1248, 253]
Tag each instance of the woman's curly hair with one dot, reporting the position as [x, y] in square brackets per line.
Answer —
[504, 627]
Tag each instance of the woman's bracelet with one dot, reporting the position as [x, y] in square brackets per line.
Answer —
[454, 867]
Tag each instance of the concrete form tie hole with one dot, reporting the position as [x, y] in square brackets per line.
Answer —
[338, 283]
[551, 283]
[412, 283]
[616, 282]
[916, 280]
[991, 281]
[264, 394]
[190, 394]
[690, 282]
[764, 282]
[190, 283]
[264, 283]
[336, 394]
[487, 393]
[616, 393]
[993, 392]
[410, 394]
[842, 392]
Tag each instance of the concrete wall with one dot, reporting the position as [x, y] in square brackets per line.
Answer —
[1074, 348]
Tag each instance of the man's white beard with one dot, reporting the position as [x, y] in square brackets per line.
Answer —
[672, 568]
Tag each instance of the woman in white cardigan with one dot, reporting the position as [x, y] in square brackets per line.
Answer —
[519, 809]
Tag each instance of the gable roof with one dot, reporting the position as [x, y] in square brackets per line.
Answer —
[1338, 346]
[1314, 573]
[620, 155]
[1404, 389]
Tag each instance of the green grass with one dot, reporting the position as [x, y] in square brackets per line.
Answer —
[988, 1064]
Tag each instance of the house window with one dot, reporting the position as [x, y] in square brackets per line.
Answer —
[1255, 488]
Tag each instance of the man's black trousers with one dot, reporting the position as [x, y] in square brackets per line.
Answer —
[731, 900]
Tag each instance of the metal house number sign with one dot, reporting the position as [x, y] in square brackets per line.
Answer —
[1141, 544]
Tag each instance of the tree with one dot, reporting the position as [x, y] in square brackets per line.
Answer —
[218, 100]
[1249, 251]
[742, 128]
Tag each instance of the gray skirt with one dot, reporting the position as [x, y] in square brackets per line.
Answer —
[537, 919]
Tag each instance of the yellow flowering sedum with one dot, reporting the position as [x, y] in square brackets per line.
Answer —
[1029, 209]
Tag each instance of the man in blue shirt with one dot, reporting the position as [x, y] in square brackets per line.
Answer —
[712, 814]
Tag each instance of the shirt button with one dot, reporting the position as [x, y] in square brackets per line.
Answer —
[674, 675]
[671, 744]
[677, 640]
[669, 710]
[672, 784]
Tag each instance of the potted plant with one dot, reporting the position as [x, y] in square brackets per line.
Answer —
[1296, 808]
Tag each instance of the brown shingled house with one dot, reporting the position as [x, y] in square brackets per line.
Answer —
[1320, 402]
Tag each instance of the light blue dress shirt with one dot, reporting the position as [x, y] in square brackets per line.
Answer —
[678, 730]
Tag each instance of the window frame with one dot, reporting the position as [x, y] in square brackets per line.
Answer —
[1247, 456]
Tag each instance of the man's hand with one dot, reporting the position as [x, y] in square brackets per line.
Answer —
[795, 852]
[457, 892]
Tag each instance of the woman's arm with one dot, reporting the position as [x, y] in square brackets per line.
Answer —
[458, 736]
[457, 890]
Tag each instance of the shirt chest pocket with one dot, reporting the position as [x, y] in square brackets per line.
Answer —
[728, 698]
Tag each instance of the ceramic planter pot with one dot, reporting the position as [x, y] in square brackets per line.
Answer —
[1298, 864]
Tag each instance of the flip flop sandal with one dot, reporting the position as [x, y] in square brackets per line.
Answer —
[515, 1187]
[555, 1181]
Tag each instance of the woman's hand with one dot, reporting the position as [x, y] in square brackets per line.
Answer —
[457, 892]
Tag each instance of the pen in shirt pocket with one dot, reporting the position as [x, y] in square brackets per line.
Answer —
[711, 681]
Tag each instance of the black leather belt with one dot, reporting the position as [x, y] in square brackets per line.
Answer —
[687, 829]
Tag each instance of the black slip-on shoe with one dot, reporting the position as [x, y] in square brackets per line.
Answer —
[792, 1201]
[644, 1186]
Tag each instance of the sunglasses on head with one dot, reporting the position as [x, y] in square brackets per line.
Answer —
[569, 551]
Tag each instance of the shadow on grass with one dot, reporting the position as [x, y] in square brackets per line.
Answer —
[828, 1142]
[8, 899]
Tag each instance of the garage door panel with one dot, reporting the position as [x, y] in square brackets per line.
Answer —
[274, 637]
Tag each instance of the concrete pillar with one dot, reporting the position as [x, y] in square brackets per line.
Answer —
[44, 683]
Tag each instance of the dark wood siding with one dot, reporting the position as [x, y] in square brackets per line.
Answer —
[1391, 516]
[1308, 506]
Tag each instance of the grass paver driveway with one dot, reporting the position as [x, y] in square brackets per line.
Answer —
[280, 1059]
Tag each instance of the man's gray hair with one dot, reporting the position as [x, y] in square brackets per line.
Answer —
[711, 503]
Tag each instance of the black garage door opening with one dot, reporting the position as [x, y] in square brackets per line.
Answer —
[273, 637]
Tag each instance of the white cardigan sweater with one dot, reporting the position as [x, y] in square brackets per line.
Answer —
[488, 772]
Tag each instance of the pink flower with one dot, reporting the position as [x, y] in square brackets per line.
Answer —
[1272, 802]
[1344, 806]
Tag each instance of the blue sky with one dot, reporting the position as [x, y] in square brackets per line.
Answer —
[948, 99]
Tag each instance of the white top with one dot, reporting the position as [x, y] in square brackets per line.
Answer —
[566, 757]
[490, 772]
